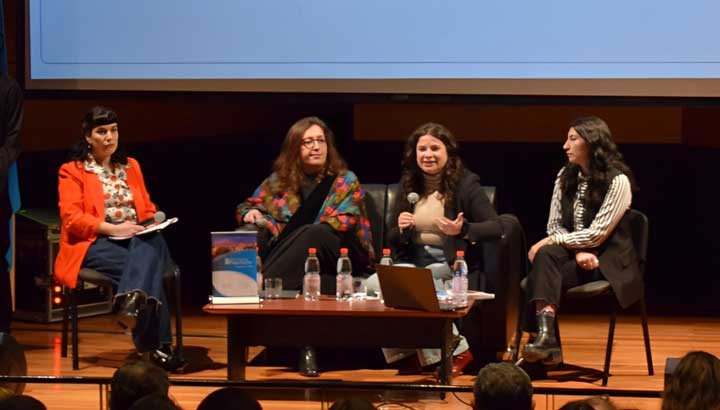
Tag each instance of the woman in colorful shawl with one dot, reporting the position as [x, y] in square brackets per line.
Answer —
[311, 200]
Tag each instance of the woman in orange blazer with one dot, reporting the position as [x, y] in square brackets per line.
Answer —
[103, 196]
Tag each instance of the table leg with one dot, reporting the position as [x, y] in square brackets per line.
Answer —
[237, 353]
[446, 351]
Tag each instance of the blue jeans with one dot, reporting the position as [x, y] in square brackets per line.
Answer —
[137, 264]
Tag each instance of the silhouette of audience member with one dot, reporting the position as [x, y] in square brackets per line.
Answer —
[155, 402]
[591, 403]
[229, 398]
[353, 403]
[135, 380]
[695, 383]
[502, 386]
[21, 402]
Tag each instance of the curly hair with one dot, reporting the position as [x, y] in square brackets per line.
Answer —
[413, 178]
[95, 117]
[604, 162]
[288, 165]
[695, 383]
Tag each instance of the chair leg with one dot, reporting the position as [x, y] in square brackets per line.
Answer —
[178, 316]
[518, 327]
[64, 334]
[646, 336]
[608, 349]
[557, 336]
[74, 314]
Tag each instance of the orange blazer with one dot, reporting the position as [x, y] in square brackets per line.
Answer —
[82, 208]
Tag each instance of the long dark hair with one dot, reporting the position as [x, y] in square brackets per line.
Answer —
[413, 178]
[288, 164]
[695, 383]
[96, 117]
[605, 162]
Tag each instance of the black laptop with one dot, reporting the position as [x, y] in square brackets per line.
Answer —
[410, 288]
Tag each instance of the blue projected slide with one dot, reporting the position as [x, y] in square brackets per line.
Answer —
[373, 39]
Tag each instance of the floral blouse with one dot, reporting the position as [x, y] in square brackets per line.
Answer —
[119, 206]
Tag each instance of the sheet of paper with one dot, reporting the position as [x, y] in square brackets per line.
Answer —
[151, 228]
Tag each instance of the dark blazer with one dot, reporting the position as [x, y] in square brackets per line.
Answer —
[479, 215]
[618, 261]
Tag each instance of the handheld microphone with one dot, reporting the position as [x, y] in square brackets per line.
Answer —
[260, 223]
[157, 218]
[413, 198]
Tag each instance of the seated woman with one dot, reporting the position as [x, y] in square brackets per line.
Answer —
[587, 238]
[102, 195]
[310, 200]
[452, 213]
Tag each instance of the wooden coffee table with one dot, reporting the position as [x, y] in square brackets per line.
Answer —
[327, 322]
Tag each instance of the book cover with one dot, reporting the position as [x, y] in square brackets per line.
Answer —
[234, 264]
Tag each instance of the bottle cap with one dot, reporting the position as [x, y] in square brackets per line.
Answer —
[312, 251]
[460, 253]
[386, 251]
[344, 251]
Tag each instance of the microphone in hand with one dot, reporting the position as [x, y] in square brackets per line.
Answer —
[412, 199]
[159, 217]
[260, 223]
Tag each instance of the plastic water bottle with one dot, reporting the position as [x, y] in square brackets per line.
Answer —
[311, 280]
[386, 257]
[460, 280]
[344, 280]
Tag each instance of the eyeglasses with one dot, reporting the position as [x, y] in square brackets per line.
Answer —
[309, 143]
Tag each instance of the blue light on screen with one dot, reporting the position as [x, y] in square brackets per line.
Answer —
[373, 39]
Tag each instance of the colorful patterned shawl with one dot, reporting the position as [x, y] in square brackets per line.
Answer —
[343, 209]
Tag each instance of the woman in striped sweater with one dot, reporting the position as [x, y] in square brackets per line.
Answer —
[587, 238]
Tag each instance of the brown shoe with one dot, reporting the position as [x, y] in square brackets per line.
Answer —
[460, 362]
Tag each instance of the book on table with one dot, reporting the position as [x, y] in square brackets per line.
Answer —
[234, 267]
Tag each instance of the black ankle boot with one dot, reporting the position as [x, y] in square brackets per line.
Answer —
[307, 365]
[545, 347]
[166, 358]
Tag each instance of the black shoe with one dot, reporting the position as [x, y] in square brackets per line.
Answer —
[307, 365]
[545, 347]
[165, 358]
[133, 303]
[536, 370]
[128, 309]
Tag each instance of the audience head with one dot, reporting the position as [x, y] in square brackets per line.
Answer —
[229, 398]
[695, 383]
[502, 386]
[353, 403]
[591, 403]
[21, 402]
[135, 380]
[430, 151]
[308, 148]
[99, 137]
[155, 402]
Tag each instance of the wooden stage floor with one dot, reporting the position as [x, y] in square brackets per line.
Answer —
[104, 346]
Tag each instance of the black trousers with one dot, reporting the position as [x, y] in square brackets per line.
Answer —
[554, 270]
[287, 258]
